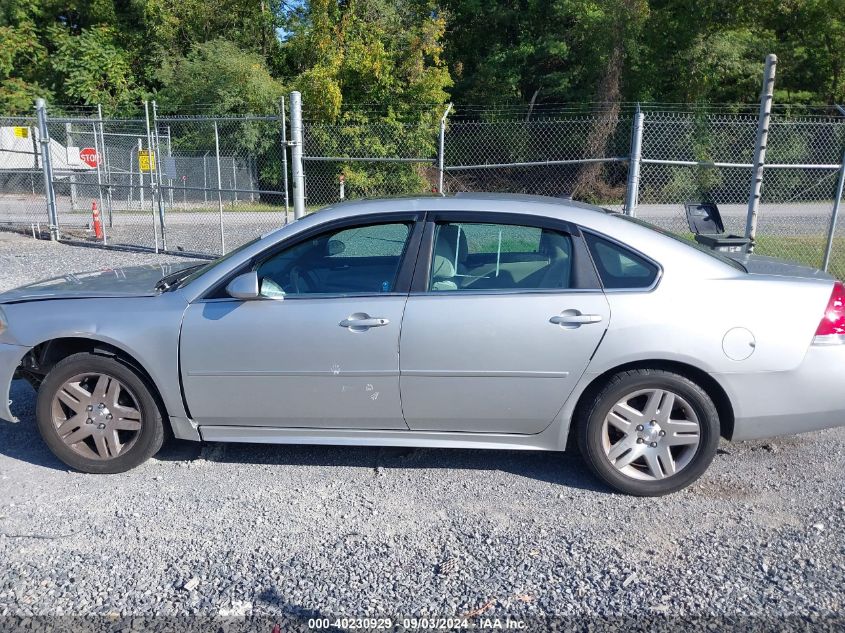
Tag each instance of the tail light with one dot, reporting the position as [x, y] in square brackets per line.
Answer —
[833, 321]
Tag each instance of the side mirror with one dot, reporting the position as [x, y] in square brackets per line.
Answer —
[244, 287]
[335, 247]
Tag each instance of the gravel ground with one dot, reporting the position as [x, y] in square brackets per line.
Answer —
[281, 534]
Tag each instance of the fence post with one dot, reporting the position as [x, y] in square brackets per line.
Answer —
[141, 179]
[441, 151]
[763, 122]
[150, 169]
[204, 178]
[131, 180]
[840, 185]
[632, 192]
[169, 179]
[47, 167]
[106, 166]
[219, 184]
[98, 151]
[157, 164]
[285, 158]
[234, 180]
[253, 170]
[296, 155]
[74, 203]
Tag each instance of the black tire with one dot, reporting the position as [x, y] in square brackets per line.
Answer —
[591, 419]
[148, 440]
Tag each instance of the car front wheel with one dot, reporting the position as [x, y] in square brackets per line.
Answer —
[649, 432]
[97, 415]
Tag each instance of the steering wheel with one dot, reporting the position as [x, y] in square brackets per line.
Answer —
[303, 281]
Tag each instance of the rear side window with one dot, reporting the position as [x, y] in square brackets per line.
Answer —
[619, 267]
[476, 256]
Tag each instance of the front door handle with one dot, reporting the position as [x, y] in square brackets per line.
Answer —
[575, 319]
[361, 322]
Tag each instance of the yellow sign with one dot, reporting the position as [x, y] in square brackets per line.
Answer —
[22, 132]
[147, 160]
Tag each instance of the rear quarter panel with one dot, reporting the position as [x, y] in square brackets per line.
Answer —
[686, 320]
[697, 301]
[686, 317]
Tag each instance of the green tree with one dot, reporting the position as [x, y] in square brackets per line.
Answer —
[21, 59]
[541, 50]
[220, 78]
[399, 55]
[811, 49]
[92, 68]
[366, 51]
[384, 55]
[220, 75]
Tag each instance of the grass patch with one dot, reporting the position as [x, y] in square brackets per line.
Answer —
[804, 249]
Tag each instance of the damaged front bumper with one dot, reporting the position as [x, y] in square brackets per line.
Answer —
[10, 360]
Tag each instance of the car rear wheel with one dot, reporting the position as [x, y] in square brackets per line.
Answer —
[97, 415]
[649, 432]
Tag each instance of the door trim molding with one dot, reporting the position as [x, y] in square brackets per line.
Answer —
[328, 373]
[448, 373]
[542, 441]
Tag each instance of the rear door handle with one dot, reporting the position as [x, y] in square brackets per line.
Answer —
[575, 319]
[361, 322]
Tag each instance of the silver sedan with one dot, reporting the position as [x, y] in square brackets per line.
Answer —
[472, 321]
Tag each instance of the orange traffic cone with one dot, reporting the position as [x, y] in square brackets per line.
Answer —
[98, 226]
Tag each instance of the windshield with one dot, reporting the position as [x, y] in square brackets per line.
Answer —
[715, 254]
[196, 272]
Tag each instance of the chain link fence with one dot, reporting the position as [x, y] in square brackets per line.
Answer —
[222, 180]
[685, 156]
[707, 157]
[22, 193]
[205, 185]
[190, 184]
[569, 156]
[368, 159]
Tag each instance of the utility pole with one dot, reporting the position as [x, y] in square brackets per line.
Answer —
[47, 167]
[763, 122]
[296, 155]
[441, 151]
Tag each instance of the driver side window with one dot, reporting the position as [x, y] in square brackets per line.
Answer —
[356, 260]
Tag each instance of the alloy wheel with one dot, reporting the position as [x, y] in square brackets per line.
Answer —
[96, 415]
[651, 434]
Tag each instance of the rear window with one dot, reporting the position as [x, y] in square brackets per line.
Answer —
[619, 267]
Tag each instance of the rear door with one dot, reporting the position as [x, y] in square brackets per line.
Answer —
[504, 315]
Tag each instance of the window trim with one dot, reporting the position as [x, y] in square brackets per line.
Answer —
[643, 289]
[403, 276]
[587, 279]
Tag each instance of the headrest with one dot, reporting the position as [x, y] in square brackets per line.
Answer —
[553, 244]
[442, 268]
[453, 235]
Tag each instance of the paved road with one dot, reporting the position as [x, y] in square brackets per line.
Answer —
[198, 229]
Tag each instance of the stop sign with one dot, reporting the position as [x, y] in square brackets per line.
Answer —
[89, 156]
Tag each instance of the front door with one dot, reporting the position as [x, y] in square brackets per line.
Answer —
[503, 330]
[320, 350]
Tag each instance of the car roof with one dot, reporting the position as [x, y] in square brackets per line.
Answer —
[591, 217]
[492, 202]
